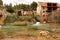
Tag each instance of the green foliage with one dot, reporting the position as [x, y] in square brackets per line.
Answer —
[19, 21]
[33, 6]
[10, 19]
[1, 2]
[13, 18]
[21, 6]
[24, 18]
[9, 8]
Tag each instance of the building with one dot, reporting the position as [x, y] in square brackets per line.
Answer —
[19, 13]
[48, 11]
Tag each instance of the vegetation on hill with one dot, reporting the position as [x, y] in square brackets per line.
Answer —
[33, 5]
[11, 8]
[1, 2]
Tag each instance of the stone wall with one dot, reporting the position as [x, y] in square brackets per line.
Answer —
[3, 15]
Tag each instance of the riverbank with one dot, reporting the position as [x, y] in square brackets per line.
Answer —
[28, 32]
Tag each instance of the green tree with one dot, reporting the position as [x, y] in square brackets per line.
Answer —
[9, 8]
[16, 7]
[21, 6]
[1, 2]
[33, 5]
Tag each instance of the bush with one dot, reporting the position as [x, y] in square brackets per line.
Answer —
[13, 18]
[10, 19]
[21, 23]
[24, 18]
[10, 10]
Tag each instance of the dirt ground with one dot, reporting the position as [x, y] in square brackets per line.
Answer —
[21, 38]
[31, 38]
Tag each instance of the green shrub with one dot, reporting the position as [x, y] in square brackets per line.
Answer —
[14, 18]
[21, 23]
[10, 19]
[23, 18]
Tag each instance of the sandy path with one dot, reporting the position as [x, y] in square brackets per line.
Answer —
[21, 38]
[28, 38]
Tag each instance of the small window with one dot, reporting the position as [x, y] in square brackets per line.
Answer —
[54, 4]
[49, 4]
[54, 8]
[48, 11]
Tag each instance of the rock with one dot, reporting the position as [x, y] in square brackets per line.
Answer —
[44, 34]
[47, 34]
[3, 15]
[54, 30]
[54, 36]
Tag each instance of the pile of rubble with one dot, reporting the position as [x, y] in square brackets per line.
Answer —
[47, 34]
[3, 14]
